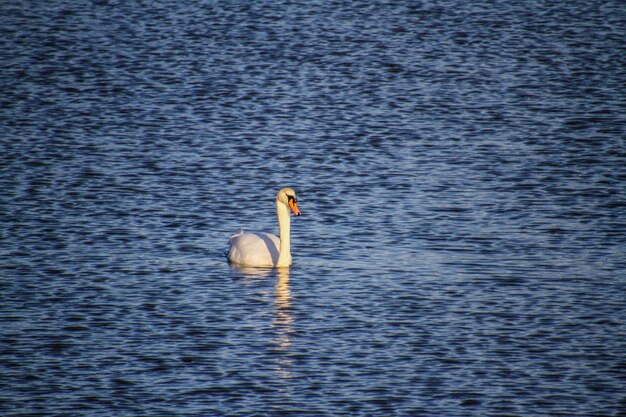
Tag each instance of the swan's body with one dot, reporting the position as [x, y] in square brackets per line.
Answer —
[254, 249]
[266, 249]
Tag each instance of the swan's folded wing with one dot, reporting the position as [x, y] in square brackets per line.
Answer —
[254, 249]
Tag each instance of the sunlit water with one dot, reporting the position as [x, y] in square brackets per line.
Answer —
[460, 168]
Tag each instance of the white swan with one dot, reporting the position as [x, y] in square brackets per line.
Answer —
[266, 249]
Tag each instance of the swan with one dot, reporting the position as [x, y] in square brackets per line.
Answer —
[266, 249]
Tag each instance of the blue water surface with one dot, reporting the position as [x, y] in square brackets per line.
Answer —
[460, 167]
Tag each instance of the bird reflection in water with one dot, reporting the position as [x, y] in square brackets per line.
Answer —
[282, 321]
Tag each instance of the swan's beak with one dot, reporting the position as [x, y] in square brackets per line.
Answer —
[294, 207]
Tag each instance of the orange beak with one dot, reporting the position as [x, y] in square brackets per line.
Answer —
[294, 207]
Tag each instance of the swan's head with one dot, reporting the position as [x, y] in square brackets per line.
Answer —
[287, 196]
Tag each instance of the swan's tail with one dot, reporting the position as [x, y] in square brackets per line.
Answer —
[235, 235]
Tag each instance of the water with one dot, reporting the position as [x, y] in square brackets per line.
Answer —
[460, 168]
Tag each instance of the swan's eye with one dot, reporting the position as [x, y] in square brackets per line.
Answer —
[290, 198]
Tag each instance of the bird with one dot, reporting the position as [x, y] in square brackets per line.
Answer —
[259, 249]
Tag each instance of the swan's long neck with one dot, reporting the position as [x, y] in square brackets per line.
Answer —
[284, 227]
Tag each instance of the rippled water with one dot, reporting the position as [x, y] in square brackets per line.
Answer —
[460, 168]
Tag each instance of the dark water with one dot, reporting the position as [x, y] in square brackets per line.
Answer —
[461, 171]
